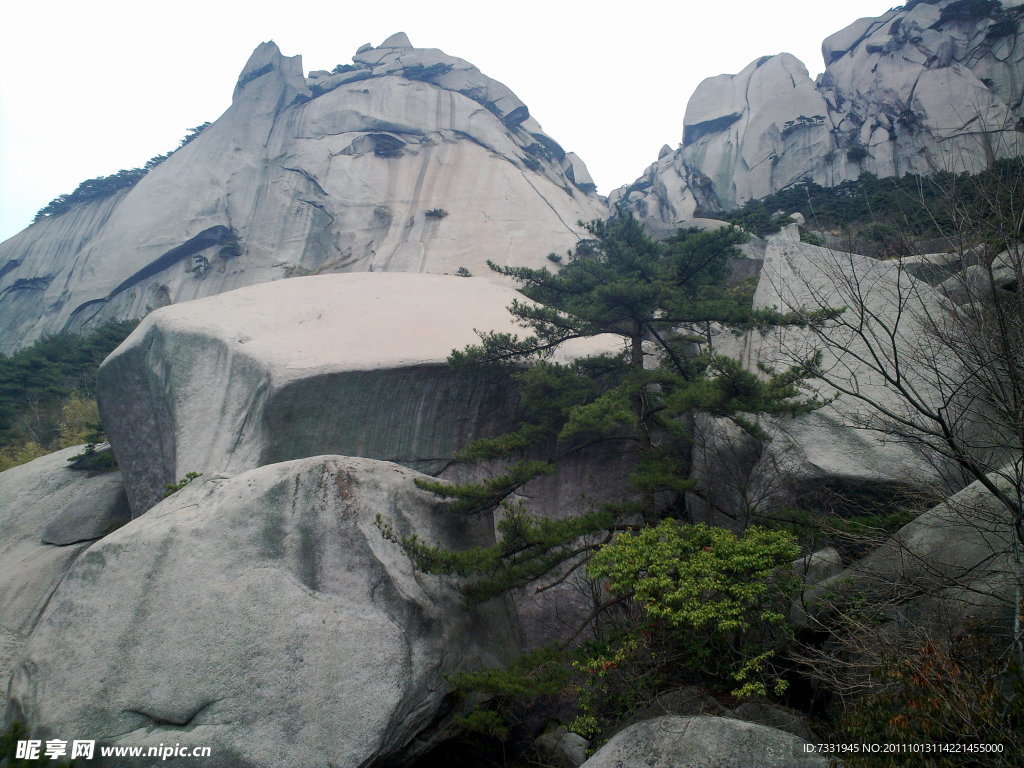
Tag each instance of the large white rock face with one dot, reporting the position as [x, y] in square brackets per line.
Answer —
[48, 515]
[264, 616]
[704, 742]
[920, 89]
[410, 160]
[349, 364]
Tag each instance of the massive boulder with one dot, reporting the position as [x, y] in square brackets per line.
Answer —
[926, 87]
[264, 616]
[705, 742]
[349, 364]
[49, 514]
[407, 160]
[839, 453]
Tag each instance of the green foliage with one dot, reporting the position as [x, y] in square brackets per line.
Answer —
[97, 455]
[105, 186]
[527, 548]
[696, 575]
[708, 581]
[658, 299]
[232, 246]
[857, 154]
[96, 189]
[540, 676]
[916, 206]
[756, 216]
[812, 239]
[695, 604]
[172, 488]
[689, 605]
[531, 163]
[435, 213]
[969, 10]
[47, 391]
[421, 72]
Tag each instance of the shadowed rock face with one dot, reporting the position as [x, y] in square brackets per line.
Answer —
[917, 90]
[266, 617]
[409, 161]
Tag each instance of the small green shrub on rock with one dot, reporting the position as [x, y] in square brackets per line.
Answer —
[172, 488]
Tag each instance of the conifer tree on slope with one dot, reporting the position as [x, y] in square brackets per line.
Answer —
[661, 299]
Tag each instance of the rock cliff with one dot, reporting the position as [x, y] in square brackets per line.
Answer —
[932, 85]
[406, 160]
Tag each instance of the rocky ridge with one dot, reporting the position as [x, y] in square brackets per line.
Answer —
[406, 160]
[932, 85]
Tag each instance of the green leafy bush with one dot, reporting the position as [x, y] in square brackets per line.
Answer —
[709, 581]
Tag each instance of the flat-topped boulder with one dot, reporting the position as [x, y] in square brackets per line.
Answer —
[348, 364]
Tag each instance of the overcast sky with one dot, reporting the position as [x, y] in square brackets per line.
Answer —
[88, 88]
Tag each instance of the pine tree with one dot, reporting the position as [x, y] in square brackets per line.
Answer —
[661, 299]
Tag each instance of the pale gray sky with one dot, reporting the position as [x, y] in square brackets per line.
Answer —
[88, 88]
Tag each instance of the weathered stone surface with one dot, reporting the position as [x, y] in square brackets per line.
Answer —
[818, 566]
[950, 569]
[568, 750]
[704, 742]
[347, 364]
[820, 451]
[908, 92]
[774, 716]
[265, 616]
[44, 504]
[333, 174]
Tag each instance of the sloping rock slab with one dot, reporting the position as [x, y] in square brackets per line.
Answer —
[949, 569]
[704, 742]
[264, 616]
[44, 504]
